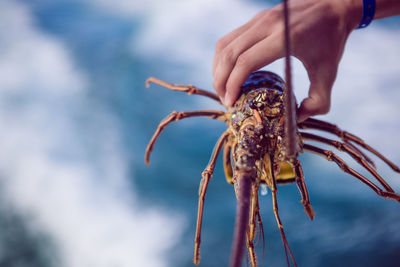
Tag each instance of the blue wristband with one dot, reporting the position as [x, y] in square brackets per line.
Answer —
[368, 13]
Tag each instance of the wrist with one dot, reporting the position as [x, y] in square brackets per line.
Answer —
[353, 13]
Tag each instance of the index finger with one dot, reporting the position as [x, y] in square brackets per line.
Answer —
[263, 53]
[227, 39]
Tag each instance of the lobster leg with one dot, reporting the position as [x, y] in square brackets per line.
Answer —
[260, 229]
[356, 149]
[176, 116]
[189, 89]
[345, 136]
[303, 190]
[329, 155]
[251, 232]
[206, 176]
[274, 190]
[331, 128]
[346, 148]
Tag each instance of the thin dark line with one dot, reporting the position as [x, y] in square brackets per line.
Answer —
[290, 109]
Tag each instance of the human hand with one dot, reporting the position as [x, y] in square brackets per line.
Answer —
[318, 33]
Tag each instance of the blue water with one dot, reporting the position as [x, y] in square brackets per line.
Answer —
[352, 227]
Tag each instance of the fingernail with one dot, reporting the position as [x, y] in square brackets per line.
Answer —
[228, 101]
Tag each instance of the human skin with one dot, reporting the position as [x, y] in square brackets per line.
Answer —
[318, 33]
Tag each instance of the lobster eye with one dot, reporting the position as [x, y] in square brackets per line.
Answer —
[273, 98]
[258, 102]
[257, 105]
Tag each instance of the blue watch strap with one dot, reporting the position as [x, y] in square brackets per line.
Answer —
[368, 13]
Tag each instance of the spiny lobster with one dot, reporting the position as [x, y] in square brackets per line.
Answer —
[255, 140]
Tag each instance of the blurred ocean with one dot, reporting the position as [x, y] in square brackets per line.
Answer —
[75, 119]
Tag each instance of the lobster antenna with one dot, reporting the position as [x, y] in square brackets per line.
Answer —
[288, 96]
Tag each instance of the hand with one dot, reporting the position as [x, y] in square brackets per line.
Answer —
[318, 32]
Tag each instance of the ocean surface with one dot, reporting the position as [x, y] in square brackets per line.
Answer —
[75, 118]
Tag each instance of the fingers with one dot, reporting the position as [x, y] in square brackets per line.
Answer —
[319, 97]
[232, 55]
[227, 39]
[259, 55]
[232, 48]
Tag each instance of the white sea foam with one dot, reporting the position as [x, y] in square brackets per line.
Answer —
[183, 32]
[61, 161]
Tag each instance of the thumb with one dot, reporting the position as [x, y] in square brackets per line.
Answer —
[319, 96]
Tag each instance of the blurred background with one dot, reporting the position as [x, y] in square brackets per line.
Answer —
[75, 119]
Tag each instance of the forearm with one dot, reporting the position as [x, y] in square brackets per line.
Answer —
[387, 8]
[383, 9]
